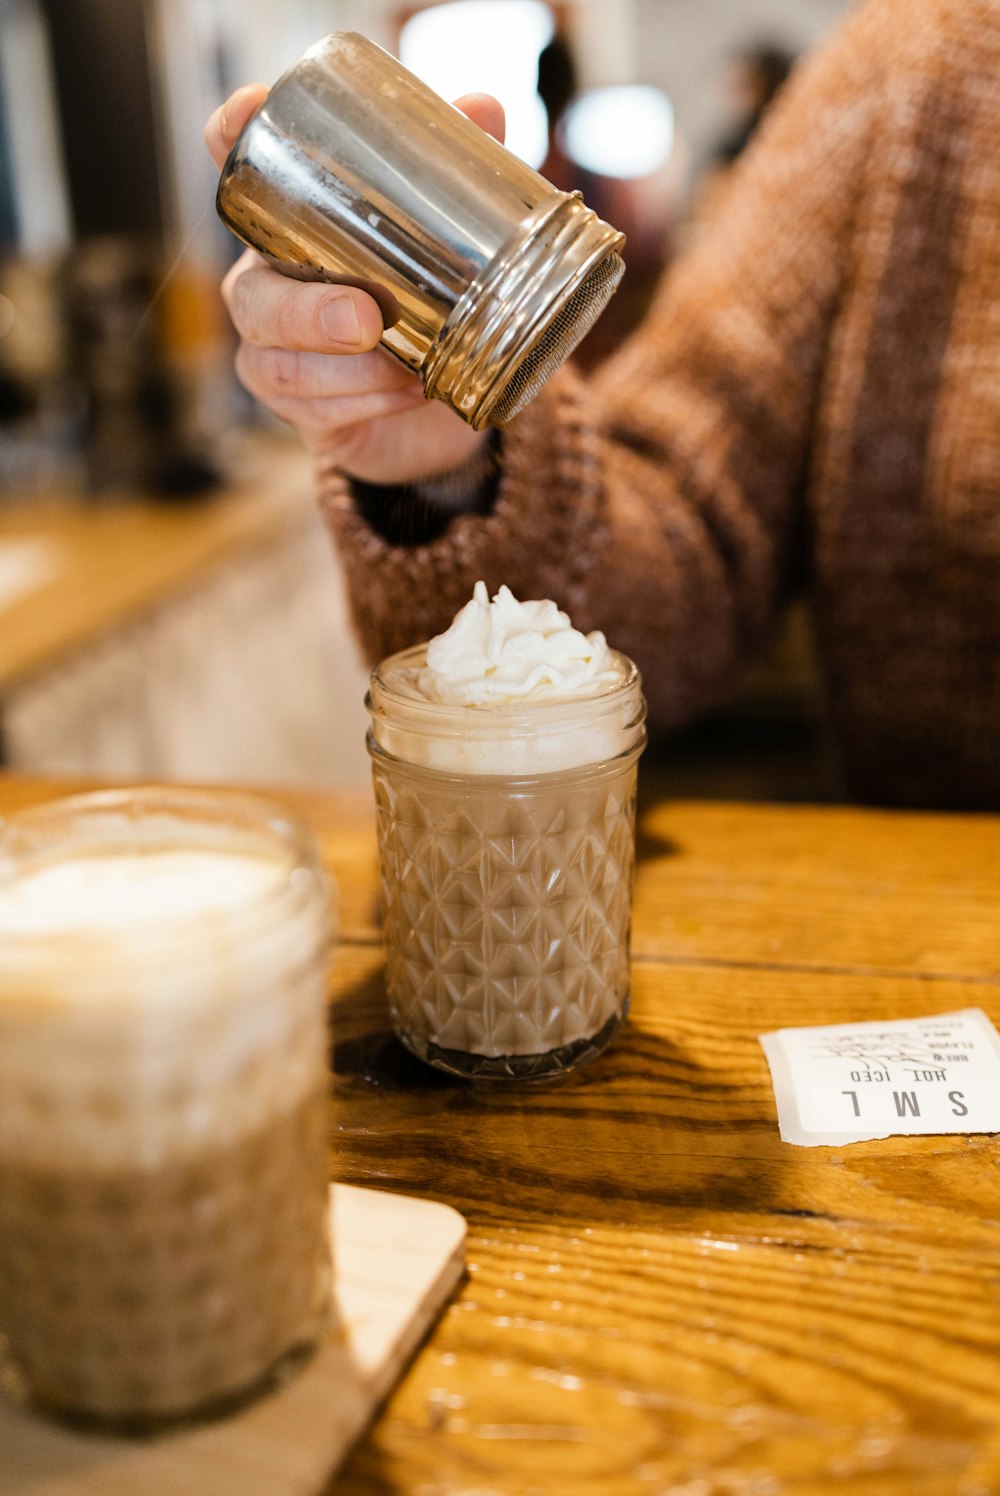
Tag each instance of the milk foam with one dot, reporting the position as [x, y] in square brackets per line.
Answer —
[155, 1001]
[109, 891]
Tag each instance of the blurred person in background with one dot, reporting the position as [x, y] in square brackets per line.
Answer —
[643, 203]
[557, 88]
[751, 83]
[813, 401]
[753, 79]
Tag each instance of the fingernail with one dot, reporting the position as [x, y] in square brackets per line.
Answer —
[339, 318]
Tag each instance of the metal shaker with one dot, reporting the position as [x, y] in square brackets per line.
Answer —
[353, 170]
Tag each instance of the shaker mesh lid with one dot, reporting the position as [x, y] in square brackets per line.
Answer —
[557, 339]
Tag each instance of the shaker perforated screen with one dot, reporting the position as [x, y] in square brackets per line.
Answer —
[558, 339]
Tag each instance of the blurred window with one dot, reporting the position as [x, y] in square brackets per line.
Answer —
[34, 206]
[487, 46]
[624, 132]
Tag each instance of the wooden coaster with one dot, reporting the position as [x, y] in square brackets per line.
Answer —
[397, 1260]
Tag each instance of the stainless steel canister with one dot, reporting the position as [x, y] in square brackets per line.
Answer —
[352, 170]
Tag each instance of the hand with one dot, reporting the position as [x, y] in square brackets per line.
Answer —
[310, 351]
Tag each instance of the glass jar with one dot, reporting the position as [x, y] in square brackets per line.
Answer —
[507, 847]
[164, 1239]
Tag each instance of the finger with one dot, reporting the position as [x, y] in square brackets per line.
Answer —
[270, 372]
[322, 419]
[229, 119]
[249, 259]
[486, 112]
[274, 312]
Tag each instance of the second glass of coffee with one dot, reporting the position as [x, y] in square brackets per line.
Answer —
[164, 1247]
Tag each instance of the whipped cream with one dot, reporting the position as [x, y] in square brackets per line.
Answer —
[510, 688]
[507, 650]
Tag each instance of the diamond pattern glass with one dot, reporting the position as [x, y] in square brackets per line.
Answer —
[507, 907]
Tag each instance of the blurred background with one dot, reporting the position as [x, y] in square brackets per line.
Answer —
[169, 605]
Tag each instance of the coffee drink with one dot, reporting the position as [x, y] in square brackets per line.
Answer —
[163, 1171]
[506, 838]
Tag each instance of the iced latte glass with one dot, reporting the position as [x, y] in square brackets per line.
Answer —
[163, 1168]
[506, 837]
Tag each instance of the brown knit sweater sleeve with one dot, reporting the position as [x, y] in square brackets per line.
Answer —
[661, 501]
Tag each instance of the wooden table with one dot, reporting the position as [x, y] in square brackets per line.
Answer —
[662, 1297]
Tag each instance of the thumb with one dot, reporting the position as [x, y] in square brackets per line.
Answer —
[229, 119]
[485, 111]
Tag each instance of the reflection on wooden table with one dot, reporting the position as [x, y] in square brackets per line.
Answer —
[662, 1297]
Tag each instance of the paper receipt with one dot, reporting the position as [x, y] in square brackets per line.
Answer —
[852, 1081]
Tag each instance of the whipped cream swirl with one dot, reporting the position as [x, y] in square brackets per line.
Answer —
[507, 650]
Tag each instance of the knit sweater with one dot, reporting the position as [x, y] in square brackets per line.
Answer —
[813, 403]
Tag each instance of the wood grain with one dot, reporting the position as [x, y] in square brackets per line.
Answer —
[663, 1298]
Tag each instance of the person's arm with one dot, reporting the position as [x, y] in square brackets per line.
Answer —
[661, 501]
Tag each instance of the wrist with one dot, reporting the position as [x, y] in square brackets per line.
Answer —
[468, 488]
[418, 512]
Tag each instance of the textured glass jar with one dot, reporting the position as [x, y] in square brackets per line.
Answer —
[163, 1168]
[507, 846]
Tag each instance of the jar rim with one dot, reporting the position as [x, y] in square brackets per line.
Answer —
[521, 736]
[506, 714]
